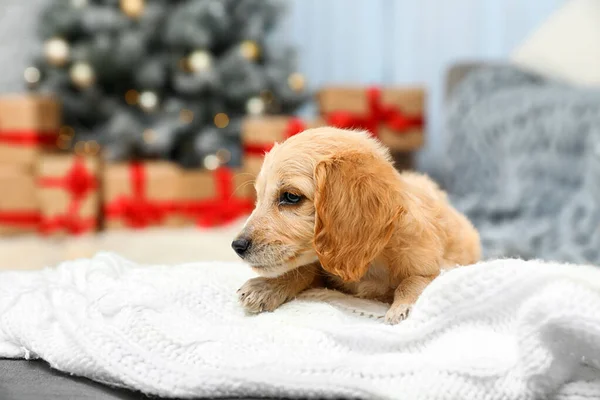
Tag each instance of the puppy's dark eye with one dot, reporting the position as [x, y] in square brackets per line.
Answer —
[289, 198]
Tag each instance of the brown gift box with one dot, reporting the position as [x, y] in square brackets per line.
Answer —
[259, 134]
[19, 206]
[68, 193]
[212, 198]
[140, 195]
[28, 123]
[344, 106]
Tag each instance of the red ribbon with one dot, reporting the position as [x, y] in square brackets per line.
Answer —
[21, 219]
[136, 210]
[224, 208]
[78, 182]
[294, 127]
[28, 138]
[377, 114]
[139, 212]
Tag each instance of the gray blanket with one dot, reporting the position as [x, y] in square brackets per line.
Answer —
[523, 162]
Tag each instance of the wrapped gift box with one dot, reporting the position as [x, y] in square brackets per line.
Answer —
[68, 189]
[19, 205]
[28, 124]
[140, 194]
[213, 198]
[259, 134]
[394, 115]
[157, 193]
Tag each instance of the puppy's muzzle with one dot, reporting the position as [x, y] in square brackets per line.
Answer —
[241, 246]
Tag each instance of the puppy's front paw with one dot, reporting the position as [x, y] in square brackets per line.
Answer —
[397, 313]
[262, 294]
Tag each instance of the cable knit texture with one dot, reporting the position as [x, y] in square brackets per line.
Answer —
[524, 164]
[505, 329]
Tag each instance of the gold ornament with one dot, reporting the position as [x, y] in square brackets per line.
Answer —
[149, 136]
[221, 120]
[199, 60]
[82, 75]
[211, 162]
[91, 147]
[132, 8]
[57, 51]
[131, 97]
[223, 155]
[148, 101]
[32, 76]
[255, 106]
[63, 142]
[250, 50]
[79, 148]
[296, 82]
[186, 116]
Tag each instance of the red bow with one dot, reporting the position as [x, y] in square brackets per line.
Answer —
[377, 114]
[224, 208]
[78, 182]
[136, 210]
[294, 127]
[28, 138]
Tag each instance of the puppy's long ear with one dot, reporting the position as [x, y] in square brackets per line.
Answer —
[356, 206]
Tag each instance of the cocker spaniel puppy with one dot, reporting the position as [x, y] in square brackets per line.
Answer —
[332, 211]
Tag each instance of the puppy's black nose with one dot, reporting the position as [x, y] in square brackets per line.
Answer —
[240, 246]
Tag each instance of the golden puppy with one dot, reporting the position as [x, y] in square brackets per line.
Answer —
[332, 211]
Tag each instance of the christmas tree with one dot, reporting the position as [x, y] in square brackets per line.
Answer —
[168, 79]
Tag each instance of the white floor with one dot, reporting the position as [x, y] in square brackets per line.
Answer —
[152, 246]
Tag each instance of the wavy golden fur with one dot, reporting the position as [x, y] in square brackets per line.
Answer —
[332, 211]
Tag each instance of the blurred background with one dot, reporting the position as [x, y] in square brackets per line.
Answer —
[351, 42]
[150, 116]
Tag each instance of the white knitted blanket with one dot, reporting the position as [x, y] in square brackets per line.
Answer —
[505, 329]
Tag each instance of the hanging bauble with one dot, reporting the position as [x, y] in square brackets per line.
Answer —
[132, 8]
[82, 75]
[255, 106]
[132, 97]
[91, 147]
[211, 162]
[63, 142]
[56, 51]
[149, 136]
[186, 116]
[148, 101]
[224, 156]
[199, 61]
[221, 120]
[32, 76]
[79, 148]
[250, 50]
[297, 82]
